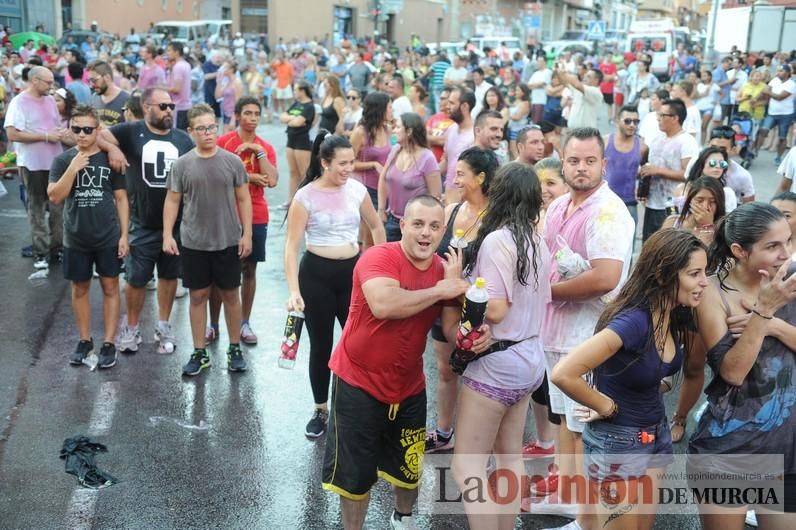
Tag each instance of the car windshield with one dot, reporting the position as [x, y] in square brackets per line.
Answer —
[177, 32]
[648, 42]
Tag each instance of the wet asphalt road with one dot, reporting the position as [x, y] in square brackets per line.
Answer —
[218, 451]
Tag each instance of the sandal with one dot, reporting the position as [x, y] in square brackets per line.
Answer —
[678, 427]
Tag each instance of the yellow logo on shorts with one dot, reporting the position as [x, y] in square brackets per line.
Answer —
[414, 440]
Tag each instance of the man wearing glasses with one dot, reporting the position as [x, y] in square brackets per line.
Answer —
[34, 123]
[147, 149]
[669, 156]
[625, 153]
[96, 218]
[216, 232]
[108, 99]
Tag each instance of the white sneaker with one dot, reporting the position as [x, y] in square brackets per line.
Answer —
[405, 523]
[751, 518]
[129, 340]
[41, 263]
[164, 336]
[549, 505]
[247, 336]
[152, 284]
[181, 291]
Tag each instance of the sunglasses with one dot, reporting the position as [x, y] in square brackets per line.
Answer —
[84, 130]
[163, 106]
[634, 121]
[352, 98]
[722, 133]
[718, 163]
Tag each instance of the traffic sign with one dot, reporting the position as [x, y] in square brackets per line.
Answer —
[596, 30]
[531, 21]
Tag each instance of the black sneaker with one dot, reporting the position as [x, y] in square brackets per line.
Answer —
[199, 361]
[235, 362]
[83, 350]
[107, 355]
[317, 425]
[27, 252]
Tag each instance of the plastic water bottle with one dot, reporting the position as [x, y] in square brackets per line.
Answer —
[473, 313]
[290, 340]
[458, 241]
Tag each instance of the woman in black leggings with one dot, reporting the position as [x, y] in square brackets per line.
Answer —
[327, 210]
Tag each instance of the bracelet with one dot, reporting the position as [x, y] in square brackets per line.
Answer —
[756, 312]
[614, 411]
[260, 155]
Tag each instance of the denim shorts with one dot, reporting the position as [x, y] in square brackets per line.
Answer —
[616, 452]
[781, 121]
[392, 228]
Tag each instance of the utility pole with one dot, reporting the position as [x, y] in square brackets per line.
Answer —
[710, 51]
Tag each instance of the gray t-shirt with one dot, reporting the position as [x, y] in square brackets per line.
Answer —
[91, 221]
[359, 75]
[210, 219]
[110, 113]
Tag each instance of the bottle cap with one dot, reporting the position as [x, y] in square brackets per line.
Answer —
[458, 233]
[480, 282]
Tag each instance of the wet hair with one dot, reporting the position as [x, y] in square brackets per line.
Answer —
[84, 111]
[678, 107]
[784, 196]
[699, 164]
[246, 100]
[501, 104]
[714, 187]
[549, 164]
[323, 148]
[584, 133]
[653, 285]
[75, 70]
[515, 202]
[200, 109]
[481, 161]
[374, 110]
[745, 226]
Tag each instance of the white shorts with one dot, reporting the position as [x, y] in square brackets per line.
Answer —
[560, 403]
[284, 93]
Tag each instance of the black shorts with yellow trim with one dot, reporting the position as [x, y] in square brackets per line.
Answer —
[367, 439]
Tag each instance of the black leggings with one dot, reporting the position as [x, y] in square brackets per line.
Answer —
[325, 286]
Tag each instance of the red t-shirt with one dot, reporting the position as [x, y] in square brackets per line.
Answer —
[607, 87]
[385, 357]
[230, 142]
[439, 124]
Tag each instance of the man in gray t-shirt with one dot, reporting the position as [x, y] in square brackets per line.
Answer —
[359, 74]
[216, 232]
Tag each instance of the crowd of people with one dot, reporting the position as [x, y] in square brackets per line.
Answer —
[409, 177]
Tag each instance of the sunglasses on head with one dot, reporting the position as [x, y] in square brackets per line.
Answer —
[718, 163]
[85, 130]
[722, 133]
[164, 106]
[634, 121]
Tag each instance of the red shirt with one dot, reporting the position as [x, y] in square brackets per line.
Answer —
[439, 124]
[385, 357]
[230, 142]
[607, 87]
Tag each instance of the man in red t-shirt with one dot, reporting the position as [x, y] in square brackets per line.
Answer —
[377, 423]
[437, 125]
[259, 158]
[608, 68]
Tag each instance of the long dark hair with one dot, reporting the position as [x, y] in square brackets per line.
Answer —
[746, 225]
[699, 165]
[654, 283]
[323, 148]
[415, 129]
[515, 202]
[714, 187]
[501, 100]
[374, 110]
[481, 161]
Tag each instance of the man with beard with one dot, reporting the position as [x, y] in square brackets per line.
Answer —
[459, 137]
[147, 150]
[108, 99]
[437, 126]
[378, 409]
[530, 145]
[489, 132]
[595, 224]
[625, 153]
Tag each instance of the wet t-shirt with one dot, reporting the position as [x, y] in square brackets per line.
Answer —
[150, 157]
[91, 221]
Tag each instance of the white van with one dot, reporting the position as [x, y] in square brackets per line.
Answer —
[192, 31]
[657, 38]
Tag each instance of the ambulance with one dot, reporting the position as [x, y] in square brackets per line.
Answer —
[656, 37]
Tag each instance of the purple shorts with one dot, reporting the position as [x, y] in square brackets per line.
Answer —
[503, 396]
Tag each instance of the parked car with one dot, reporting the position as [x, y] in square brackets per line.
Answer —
[192, 31]
[79, 36]
[570, 40]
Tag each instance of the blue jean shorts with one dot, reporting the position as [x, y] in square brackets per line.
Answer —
[781, 121]
[617, 452]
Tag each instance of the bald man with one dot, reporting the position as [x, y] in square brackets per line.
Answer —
[34, 123]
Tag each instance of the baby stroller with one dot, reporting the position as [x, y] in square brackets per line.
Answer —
[743, 125]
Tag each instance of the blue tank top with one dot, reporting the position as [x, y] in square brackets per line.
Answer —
[622, 169]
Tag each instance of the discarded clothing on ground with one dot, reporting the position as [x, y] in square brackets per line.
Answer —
[79, 452]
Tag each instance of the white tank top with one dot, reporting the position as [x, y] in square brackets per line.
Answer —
[333, 213]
